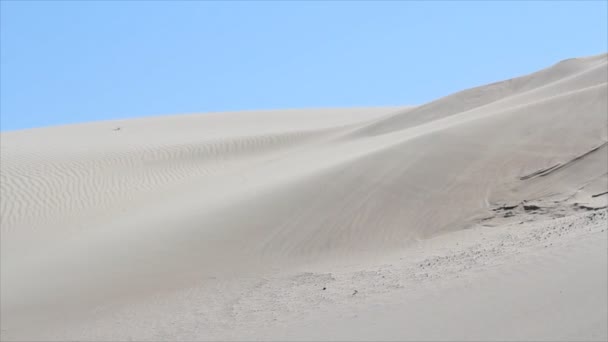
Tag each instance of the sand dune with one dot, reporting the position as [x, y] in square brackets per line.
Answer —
[317, 224]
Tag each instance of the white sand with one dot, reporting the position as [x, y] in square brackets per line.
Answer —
[477, 216]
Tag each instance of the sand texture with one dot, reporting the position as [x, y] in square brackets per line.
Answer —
[478, 216]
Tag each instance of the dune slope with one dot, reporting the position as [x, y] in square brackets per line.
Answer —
[115, 219]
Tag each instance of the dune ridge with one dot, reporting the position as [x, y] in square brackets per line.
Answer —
[104, 217]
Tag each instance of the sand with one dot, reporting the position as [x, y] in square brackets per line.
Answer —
[478, 216]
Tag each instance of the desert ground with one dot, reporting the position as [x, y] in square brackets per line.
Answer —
[480, 215]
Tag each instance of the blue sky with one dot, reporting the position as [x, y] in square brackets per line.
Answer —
[77, 61]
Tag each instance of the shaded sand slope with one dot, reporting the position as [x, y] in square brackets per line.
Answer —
[124, 211]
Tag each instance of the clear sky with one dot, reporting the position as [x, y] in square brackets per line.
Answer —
[77, 61]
